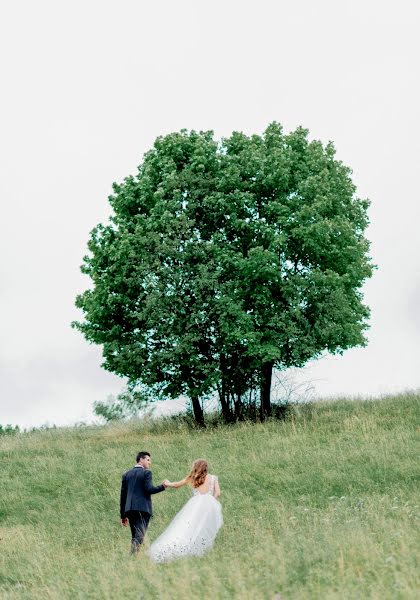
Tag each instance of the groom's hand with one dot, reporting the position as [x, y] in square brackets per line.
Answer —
[124, 522]
[166, 483]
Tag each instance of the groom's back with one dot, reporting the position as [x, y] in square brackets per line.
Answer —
[135, 484]
[137, 497]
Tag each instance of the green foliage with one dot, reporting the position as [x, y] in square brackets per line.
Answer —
[323, 506]
[9, 429]
[224, 260]
[127, 404]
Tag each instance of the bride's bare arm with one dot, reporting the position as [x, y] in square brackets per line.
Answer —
[178, 484]
[216, 488]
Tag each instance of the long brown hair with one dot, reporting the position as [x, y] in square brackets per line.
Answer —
[198, 473]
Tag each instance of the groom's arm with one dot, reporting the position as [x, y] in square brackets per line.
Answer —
[123, 496]
[148, 484]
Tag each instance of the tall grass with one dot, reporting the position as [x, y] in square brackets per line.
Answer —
[323, 505]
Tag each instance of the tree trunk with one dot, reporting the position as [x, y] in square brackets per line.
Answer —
[225, 406]
[224, 394]
[265, 402]
[198, 411]
[238, 407]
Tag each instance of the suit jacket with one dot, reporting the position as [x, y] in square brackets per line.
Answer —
[136, 490]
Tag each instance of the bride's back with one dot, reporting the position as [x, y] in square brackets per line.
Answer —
[209, 485]
[204, 488]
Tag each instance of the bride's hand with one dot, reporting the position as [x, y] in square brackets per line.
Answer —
[167, 483]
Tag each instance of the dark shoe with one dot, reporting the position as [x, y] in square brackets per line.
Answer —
[134, 548]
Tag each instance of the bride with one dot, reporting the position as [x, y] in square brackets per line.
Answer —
[193, 529]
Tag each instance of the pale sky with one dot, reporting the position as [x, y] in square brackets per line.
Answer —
[88, 86]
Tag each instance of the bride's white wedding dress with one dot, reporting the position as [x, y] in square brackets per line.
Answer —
[193, 529]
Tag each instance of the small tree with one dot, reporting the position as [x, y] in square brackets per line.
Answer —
[223, 261]
[128, 403]
[9, 429]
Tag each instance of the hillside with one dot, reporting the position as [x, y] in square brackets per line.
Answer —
[323, 505]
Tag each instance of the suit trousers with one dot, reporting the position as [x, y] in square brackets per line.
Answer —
[139, 522]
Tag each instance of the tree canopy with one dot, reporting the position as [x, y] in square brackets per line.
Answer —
[224, 260]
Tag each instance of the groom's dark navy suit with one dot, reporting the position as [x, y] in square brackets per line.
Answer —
[136, 502]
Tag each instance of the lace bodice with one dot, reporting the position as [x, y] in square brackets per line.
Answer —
[211, 488]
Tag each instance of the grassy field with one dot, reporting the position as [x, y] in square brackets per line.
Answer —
[324, 505]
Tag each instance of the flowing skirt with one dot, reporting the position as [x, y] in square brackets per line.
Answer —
[191, 532]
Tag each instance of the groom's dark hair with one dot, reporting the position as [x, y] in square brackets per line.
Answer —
[142, 455]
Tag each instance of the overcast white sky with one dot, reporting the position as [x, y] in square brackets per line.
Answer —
[86, 88]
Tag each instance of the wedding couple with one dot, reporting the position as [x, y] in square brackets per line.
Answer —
[193, 529]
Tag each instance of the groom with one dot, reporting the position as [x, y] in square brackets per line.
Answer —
[135, 499]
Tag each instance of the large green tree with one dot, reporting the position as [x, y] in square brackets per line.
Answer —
[222, 261]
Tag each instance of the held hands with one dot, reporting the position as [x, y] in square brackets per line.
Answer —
[166, 483]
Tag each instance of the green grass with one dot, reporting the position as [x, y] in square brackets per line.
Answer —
[324, 505]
